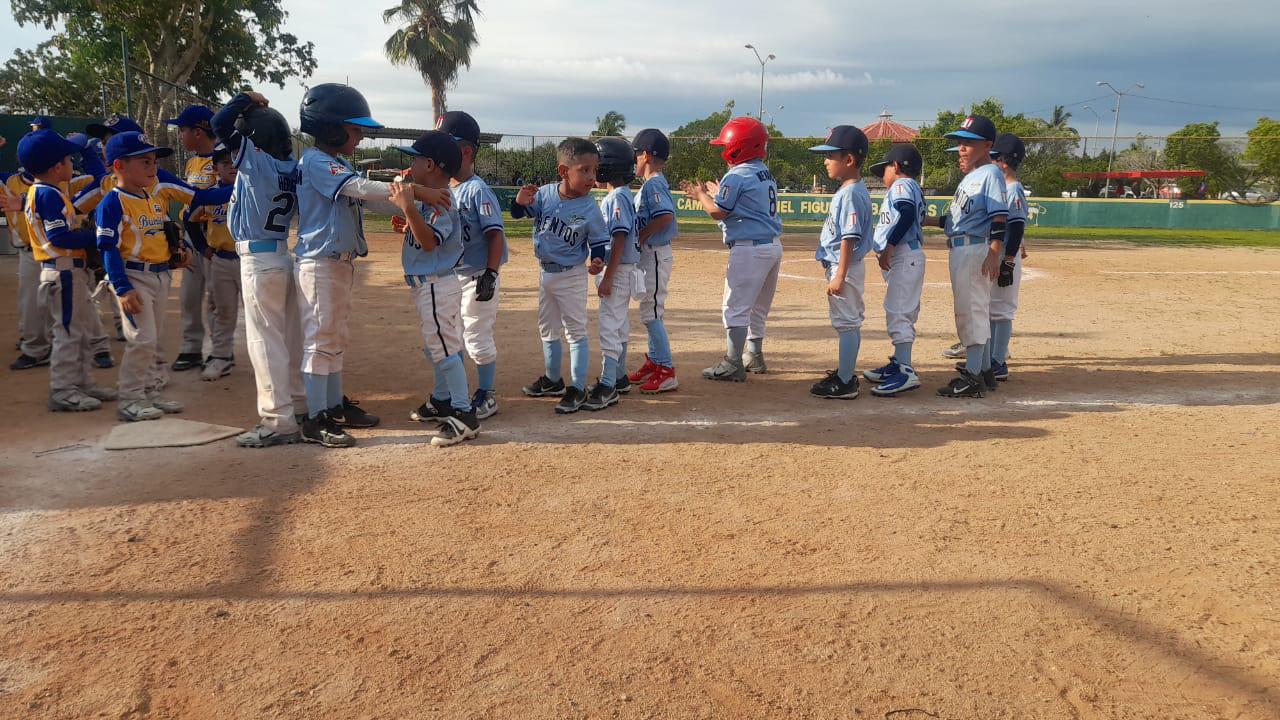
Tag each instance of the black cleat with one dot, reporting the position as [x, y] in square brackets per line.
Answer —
[600, 396]
[572, 401]
[187, 361]
[349, 414]
[433, 410]
[622, 385]
[544, 387]
[103, 360]
[967, 385]
[26, 362]
[458, 427]
[989, 378]
[833, 388]
[321, 431]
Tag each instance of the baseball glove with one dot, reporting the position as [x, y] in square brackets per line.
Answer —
[177, 247]
[486, 285]
[1006, 274]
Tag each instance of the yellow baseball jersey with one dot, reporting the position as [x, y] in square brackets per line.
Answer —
[18, 185]
[51, 218]
[135, 222]
[200, 172]
[216, 230]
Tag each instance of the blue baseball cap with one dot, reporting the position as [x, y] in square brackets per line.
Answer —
[439, 146]
[905, 155]
[113, 124]
[461, 126]
[40, 150]
[844, 138]
[79, 139]
[192, 116]
[974, 127]
[132, 144]
[42, 122]
[652, 141]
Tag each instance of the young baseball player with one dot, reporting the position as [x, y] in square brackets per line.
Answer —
[331, 196]
[1007, 154]
[745, 203]
[616, 285]
[432, 248]
[656, 218]
[197, 137]
[899, 242]
[844, 242]
[975, 228]
[222, 277]
[567, 229]
[60, 249]
[137, 255]
[33, 317]
[263, 205]
[101, 288]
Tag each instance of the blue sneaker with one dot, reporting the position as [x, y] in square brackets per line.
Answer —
[902, 381]
[883, 372]
[1001, 370]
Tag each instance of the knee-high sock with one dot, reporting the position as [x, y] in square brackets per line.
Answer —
[621, 369]
[487, 375]
[973, 358]
[317, 390]
[579, 359]
[455, 378]
[551, 354]
[755, 345]
[986, 349]
[659, 343]
[333, 391]
[737, 339]
[1002, 331]
[902, 353]
[440, 388]
[850, 341]
[609, 375]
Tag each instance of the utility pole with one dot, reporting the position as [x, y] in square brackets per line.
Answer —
[1116, 128]
[763, 62]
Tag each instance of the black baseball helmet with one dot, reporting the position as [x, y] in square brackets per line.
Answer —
[617, 161]
[328, 107]
[268, 130]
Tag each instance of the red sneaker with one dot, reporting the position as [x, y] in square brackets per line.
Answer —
[644, 372]
[663, 379]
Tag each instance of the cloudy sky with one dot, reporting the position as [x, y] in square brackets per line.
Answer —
[552, 66]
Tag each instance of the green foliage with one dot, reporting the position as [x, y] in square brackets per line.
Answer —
[611, 125]
[51, 80]
[436, 37]
[1263, 149]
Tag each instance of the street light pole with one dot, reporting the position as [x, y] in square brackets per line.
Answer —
[1116, 128]
[763, 62]
[1097, 121]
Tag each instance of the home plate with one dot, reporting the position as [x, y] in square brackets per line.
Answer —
[166, 432]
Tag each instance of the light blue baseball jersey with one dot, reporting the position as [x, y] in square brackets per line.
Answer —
[980, 196]
[265, 199]
[1017, 202]
[902, 189]
[654, 201]
[848, 221]
[618, 209]
[446, 255]
[327, 222]
[565, 231]
[479, 211]
[750, 196]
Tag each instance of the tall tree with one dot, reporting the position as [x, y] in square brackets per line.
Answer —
[1060, 119]
[436, 38]
[1263, 152]
[613, 123]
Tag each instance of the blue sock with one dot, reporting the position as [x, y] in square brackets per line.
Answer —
[850, 341]
[333, 391]
[973, 358]
[579, 360]
[455, 378]
[737, 339]
[317, 389]
[620, 368]
[551, 352]
[440, 390]
[1002, 332]
[755, 345]
[986, 349]
[486, 375]
[902, 353]
[659, 343]
[609, 376]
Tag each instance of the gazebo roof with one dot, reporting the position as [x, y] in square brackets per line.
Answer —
[886, 129]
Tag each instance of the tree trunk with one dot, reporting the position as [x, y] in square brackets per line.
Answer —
[438, 105]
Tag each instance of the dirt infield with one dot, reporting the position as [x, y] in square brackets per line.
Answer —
[1097, 539]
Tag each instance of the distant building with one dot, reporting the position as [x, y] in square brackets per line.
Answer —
[886, 129]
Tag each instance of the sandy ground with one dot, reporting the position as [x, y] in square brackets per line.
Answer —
[1097, 539]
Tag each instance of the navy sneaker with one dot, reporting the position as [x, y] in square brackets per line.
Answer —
[1001, 371]
[902, 381]
[882, 372]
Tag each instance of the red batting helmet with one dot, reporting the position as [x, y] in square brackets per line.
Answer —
[743, 139]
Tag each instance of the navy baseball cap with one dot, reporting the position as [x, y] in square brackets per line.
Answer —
[132, 144]
[192, 116]
[439, 146]
[653, 142]
[905, 155]
[79, 139]
[42, 122]
[844, 138]
[113, 124]
[1009, 148]
[974, 127]
[40, 150]
[461, 126]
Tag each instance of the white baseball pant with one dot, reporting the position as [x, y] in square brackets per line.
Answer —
[439, 304]
[615, 321]
[656, 262]
[847, 309]
[750, 281]
[224, 295]
[1004, 300]
[273, 337]
[324, 300]
[191, 298]
[66, 294]
[142, 369]
[971, 294]
[905, 285]
[562, 305]
[478, 319]
[33, 316]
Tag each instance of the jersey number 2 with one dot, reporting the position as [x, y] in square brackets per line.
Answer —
[285, 209]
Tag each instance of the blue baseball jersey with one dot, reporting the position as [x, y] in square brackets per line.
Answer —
[902, 189]
[1017, 202]
[750, 196]
[654, 201]
[565, 230]
[479, 212]
[618, 209]
[980, 196]
[327, 222]
[265, 199]
[445, 256]
[848, 221]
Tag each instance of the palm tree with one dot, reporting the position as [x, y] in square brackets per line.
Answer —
[436, 37]
[1059, 119]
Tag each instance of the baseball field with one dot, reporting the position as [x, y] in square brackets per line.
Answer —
[1096, 539]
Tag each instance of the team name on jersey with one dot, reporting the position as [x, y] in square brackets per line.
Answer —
[567, 231]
